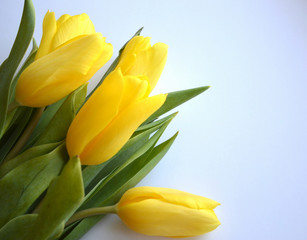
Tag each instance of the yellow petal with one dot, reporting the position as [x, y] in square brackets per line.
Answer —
[117, 133]
[54, 76]
[173, 196]
[134, 89]
[62, 19]
[136, 44]
[150, 63]
[49, 30]
[96, 113]
[158, 59]
[105, 55]
[159, 218]
[73, 27]
[128, 56]
[139, 58]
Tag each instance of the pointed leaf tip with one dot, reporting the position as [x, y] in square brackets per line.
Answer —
[175, 99]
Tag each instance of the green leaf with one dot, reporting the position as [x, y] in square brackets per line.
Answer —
[63, 197]
[18, 227]
[45, 119]
[11, 136]
[174, 99]
[25, 156]
[150, 125]
[58, 126]
[9, 66]
[155, 156]
[120, 183]
[24, 184]
[114, 63]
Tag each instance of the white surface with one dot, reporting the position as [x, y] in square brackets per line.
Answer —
[243, 142]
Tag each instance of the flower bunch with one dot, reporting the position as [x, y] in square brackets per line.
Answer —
[67, 155]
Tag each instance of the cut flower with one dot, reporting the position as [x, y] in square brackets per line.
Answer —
[167, 212]
[110, 116]
[70, 53]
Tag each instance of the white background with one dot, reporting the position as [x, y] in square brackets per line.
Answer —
[243, 142]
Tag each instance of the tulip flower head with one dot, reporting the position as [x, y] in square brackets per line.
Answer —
[110, 116]
[115, 110]
[167, 212]
[140, 58]
[70, 53]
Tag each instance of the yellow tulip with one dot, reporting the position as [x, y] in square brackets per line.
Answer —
[110, 116]
[140, 58]
[70, 53]
[167, 212]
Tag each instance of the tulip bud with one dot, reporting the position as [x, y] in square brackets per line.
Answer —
[70, 53]
[110, 116]
[140, 58]
[167, 212]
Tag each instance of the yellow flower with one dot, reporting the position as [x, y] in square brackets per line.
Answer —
[140, 58]
[110, 116]
[70, 53]
[167, 212]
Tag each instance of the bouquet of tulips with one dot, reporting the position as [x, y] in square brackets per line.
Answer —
[68, 157]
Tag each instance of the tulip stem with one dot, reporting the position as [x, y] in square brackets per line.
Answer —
[26, 134]
[91, 212]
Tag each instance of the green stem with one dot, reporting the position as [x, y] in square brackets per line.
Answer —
[26, 134]
[91, 212]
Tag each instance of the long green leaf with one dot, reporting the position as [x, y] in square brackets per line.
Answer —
[18, 227]
[11, 136]
[9, 66]
[63, 197]
[150, 125]
[175, 99]
[25, 156]
[23, 185]
[45, 119]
